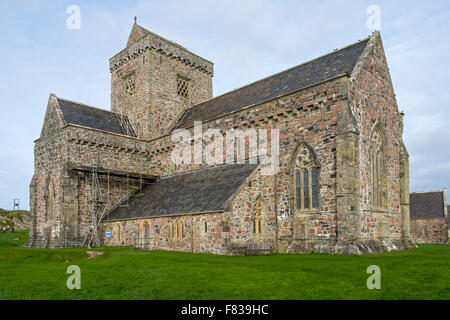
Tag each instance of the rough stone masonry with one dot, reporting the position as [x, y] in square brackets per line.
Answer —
[342, 186]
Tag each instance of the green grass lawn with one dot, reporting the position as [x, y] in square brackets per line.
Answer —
[127, 273]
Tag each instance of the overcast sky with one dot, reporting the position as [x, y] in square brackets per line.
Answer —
[246, 40]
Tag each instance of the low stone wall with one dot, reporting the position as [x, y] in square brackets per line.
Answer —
[429, 230]
[200, 233]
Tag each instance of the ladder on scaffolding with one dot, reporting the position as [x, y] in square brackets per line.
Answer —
[95, 199]
[124, 122]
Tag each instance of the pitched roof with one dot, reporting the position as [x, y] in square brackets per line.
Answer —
[320, 69]
[82, 115]
[203, 190]
[426, 205]
[136, 33]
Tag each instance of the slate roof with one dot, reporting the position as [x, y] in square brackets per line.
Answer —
[79, 114]
[203, 190]
[425, 205]
[323, 68]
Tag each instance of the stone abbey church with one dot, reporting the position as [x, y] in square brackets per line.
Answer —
[107, 177]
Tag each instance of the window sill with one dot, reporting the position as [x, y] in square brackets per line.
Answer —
[306, 211]
[379, 209]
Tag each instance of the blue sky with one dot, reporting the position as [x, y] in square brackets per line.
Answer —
[246, 40]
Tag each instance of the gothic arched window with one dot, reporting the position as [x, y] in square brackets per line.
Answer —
[170, 227]
[258, 216]
[175, 230]
[117, 231]
[180, 229]
[306, 179]
[377, 168]
[50, 200]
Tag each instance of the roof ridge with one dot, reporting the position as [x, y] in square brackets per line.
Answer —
[163, 38]
[84, 105]
[431, 191]
[278, 73]
[124, 125]
[145, 32]
[207, 168]
[145, 29]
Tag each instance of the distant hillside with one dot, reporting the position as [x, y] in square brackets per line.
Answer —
[20, 219]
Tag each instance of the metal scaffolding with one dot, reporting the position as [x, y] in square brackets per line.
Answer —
[94, 199]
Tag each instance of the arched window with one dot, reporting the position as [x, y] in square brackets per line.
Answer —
[180, 229]
[377, 168]
[305, 176]
[170, 227]
[51, 205]
[50, 201]
[117, 231]
[258, 216]
[175, 230]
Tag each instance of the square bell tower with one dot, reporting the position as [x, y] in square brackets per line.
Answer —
[153, 80]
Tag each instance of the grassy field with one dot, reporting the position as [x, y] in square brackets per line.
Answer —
[127, 273]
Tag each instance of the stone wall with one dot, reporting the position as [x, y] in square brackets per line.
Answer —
[58, 196]
[46, 194]
[154, 234]
[373, 104]
[308, 116]
[432, 230]
[95, 148]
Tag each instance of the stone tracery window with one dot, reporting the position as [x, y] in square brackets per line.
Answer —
[377, 168]
[130, 84]
[176, 229]
[182, 87]
[306, 176]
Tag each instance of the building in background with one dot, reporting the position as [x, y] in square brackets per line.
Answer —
[429, 216]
